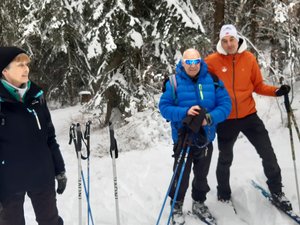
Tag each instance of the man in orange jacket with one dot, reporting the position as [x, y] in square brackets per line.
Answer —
[239, 71]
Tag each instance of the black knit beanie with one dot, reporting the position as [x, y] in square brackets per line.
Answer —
[7, 55]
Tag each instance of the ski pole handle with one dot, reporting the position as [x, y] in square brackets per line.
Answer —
[79, 138]
[71, 133]
[287, 103]
[87, 130]
[86, 136]
[286, 98]
[113, 141]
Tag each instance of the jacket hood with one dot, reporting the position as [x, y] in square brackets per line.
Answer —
[180, 69]
[242, 47]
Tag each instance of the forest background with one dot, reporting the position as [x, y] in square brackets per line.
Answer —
[120, 50]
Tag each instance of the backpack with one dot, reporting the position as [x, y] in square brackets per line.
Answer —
[173, 83]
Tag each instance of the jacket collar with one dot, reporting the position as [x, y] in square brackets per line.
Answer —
[15, 91]
[242, 47]
[33, 92]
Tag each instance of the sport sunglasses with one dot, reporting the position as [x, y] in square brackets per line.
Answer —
[192, 61]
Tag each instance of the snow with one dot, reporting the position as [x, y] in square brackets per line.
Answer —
[144, 170]
[94, 47]
[137, 39]
[186, 13]
[281, 13]
[84, 93]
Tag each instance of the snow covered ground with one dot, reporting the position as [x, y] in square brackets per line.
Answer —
[144, 169]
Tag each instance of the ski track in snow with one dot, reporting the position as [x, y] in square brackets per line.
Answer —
[144, 175]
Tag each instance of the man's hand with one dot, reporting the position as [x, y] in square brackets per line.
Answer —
[61, 182]
[194, 111]
[283, 90]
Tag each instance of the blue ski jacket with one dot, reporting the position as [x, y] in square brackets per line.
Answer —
[201, 91]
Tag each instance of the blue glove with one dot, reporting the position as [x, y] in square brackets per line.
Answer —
[61, 182]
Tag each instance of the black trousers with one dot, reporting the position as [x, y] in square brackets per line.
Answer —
[44, 205]
[200, 158]
[253, 128]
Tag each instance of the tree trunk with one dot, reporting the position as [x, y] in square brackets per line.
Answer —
[254, 24]
[219, 19]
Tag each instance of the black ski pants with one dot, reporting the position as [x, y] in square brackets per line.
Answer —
[200, 158]
[44, 205]
[253, 128]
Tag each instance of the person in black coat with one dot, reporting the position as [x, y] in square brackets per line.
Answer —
[30, 158]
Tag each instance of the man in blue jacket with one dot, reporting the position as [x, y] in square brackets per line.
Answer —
[196, 92]
[30, 158]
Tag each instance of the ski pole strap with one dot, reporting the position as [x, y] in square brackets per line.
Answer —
[87, 138]
[113, 142]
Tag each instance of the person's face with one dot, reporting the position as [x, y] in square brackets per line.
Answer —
[229, 44]
[17, 72]
[191, 63]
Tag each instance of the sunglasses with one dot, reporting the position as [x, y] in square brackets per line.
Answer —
[192, 61]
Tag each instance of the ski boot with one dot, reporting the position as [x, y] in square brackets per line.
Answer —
[177, 215]
[200, 210]
[281, 201]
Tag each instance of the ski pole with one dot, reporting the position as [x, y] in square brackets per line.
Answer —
[179, 182]
[88, 200]
[295, 124]
[78, 144]
[114, 155]
[289, 116]
[288, 109]
[76, 137]
[291, 112]
[171, 184]
[87, 138]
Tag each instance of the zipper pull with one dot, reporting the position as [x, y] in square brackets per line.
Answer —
[200, 90]
[36, 117]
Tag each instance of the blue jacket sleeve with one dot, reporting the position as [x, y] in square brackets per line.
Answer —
[223, 105]
[168, 108]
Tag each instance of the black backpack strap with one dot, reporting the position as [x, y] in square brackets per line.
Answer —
[165, 80]
[216, 81]
[172, 79]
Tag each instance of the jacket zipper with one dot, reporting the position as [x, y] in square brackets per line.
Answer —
[200, 91]
[36, 117]
[233, 87]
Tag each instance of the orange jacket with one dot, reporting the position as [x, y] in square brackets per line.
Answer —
[241, 76]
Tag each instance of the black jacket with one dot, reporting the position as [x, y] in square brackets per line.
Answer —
[29, 154]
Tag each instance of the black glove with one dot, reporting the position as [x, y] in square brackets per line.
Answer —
[283, 90]
[61, 182]
[194, 123]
